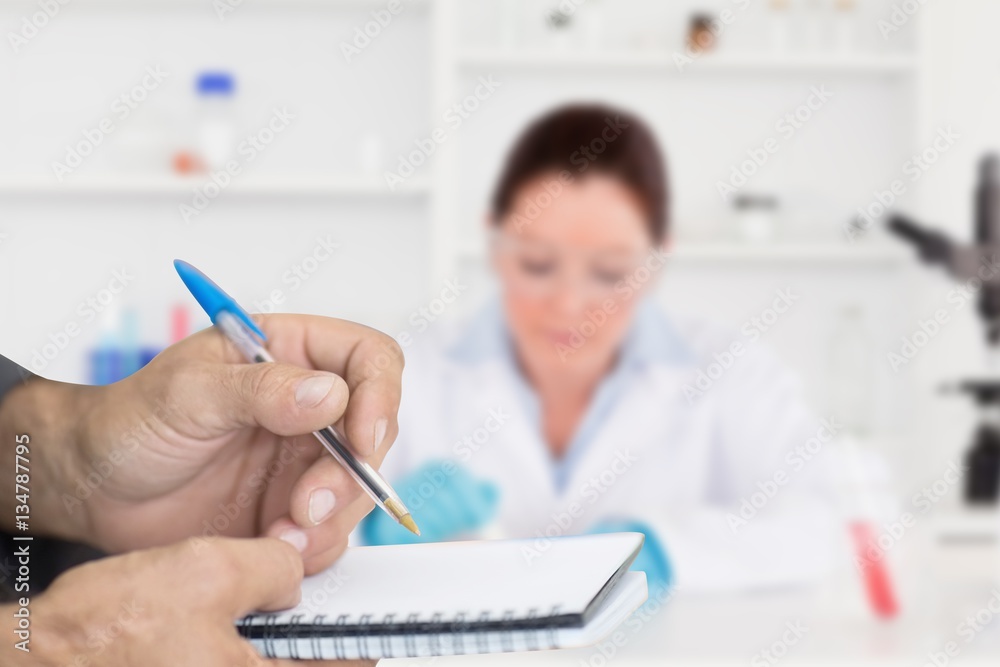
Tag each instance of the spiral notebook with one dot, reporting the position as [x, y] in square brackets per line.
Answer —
[455, 598]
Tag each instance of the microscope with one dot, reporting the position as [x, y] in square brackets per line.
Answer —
[978, 266]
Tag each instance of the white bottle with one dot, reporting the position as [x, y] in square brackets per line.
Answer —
[844, 27]
[217, 125]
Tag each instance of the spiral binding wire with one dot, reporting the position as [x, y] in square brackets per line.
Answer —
[315, 631]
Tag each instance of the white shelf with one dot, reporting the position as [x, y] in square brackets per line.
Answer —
[713, 63]
[968, 526]
[791, 252]
[830, 253]
[313, 185]
[202, 5]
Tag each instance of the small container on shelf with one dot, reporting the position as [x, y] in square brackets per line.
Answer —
[560, 24]
[217, 123]
[700, 36]
[756, 217]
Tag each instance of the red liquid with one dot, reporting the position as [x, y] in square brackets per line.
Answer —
[180, 324]
[878, 584]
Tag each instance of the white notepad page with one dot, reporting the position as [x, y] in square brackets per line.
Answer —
[516, 578]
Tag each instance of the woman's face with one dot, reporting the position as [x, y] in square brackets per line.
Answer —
[571, 257]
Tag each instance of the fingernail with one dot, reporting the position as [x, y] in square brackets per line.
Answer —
[313, 390]
[321, 502]
[296, 538]
[381, 425]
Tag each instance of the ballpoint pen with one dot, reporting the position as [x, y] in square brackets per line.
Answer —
[244, 333]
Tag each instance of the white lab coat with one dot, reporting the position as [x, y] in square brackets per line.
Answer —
[681, 466]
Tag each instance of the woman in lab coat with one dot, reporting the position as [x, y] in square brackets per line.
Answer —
[572, 404]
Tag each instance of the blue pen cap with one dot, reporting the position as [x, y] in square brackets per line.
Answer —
[212, 298]
[215, 83]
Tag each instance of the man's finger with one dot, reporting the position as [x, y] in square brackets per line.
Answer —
[374, 375]
[262, 574]
[282, 398]
[323, 489]
[323, 544]
[323, 561]
[370, 361]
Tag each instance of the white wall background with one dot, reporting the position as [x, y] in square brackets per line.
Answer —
[61, 247]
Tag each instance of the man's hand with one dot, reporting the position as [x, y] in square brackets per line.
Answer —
[201, 443]
[162, 607]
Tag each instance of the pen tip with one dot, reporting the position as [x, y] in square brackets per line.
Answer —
[409, 524]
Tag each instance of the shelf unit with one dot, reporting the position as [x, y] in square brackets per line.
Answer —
[332, 185]
[889, 64]
[436, 187]
[783, 253]
[650, 66]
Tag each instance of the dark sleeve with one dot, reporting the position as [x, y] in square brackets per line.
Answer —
[50, 556]
[11, 375]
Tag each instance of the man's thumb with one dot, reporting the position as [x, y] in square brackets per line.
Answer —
[284, 399]
[247, 575]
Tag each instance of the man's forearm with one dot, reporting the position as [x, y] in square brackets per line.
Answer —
[44, 416]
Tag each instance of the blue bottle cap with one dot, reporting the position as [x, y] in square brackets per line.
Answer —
[221, 83]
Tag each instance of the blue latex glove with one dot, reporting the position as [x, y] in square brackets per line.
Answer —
[445, 501]
[652, 558]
